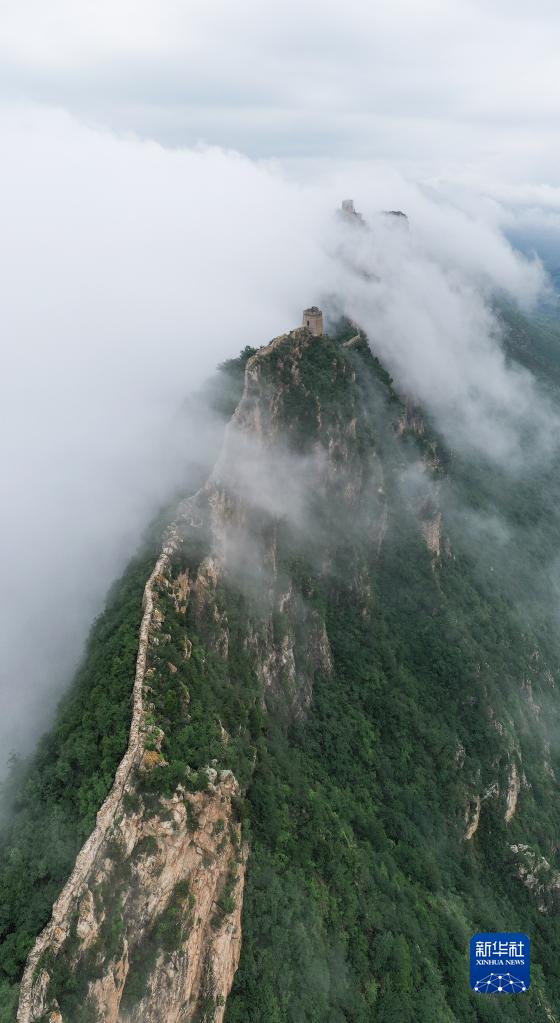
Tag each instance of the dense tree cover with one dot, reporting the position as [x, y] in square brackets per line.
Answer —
[534, 342]
[49, 803]
[208, 708]
[58, 794]
[361, 892]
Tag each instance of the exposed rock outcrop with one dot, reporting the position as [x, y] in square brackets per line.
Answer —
[149, 920]
[54, 934]
[514, 788]
[472, 818]
[110, 870]
[180, 913]
[537, 874]
[431, 531]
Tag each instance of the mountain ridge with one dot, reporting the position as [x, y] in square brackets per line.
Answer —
[315, 617]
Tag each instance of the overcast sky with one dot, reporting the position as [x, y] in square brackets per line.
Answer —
[442, 87]
[168, 173]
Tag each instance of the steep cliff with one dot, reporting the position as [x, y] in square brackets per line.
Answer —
[338, 767]
[106, 953]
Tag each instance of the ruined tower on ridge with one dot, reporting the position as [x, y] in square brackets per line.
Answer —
[313, 318]
[349, 212]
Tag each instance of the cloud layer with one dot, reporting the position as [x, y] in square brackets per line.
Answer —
[129, 270]
[128, 273]
[443, 86]
[424, 294]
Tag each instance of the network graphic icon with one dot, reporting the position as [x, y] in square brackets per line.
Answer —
[500, 983]
[493, 956]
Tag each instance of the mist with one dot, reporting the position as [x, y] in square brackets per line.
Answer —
[425, 295]
[129, 271]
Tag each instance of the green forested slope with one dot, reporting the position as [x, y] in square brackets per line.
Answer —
[53, 801]
[361, 890]
[362, 894]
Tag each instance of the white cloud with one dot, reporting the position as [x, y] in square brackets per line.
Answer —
[129, 270]
[424, 299]
[441, 85]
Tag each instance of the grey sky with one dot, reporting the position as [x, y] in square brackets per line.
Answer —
[439, 86]
[168, 175]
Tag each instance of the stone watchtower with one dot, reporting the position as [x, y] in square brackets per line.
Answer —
[349, 212]
[313, 319]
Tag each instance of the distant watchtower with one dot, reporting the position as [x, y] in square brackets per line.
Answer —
[349, 212]
[313, 318]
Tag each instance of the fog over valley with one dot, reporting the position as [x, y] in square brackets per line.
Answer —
[130, 271]
[280, 527]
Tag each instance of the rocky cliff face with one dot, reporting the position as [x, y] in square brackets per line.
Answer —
[148, 925]
[34, 993]
[308, 587]
[268, 490]
[180, 937]
[149, 937]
